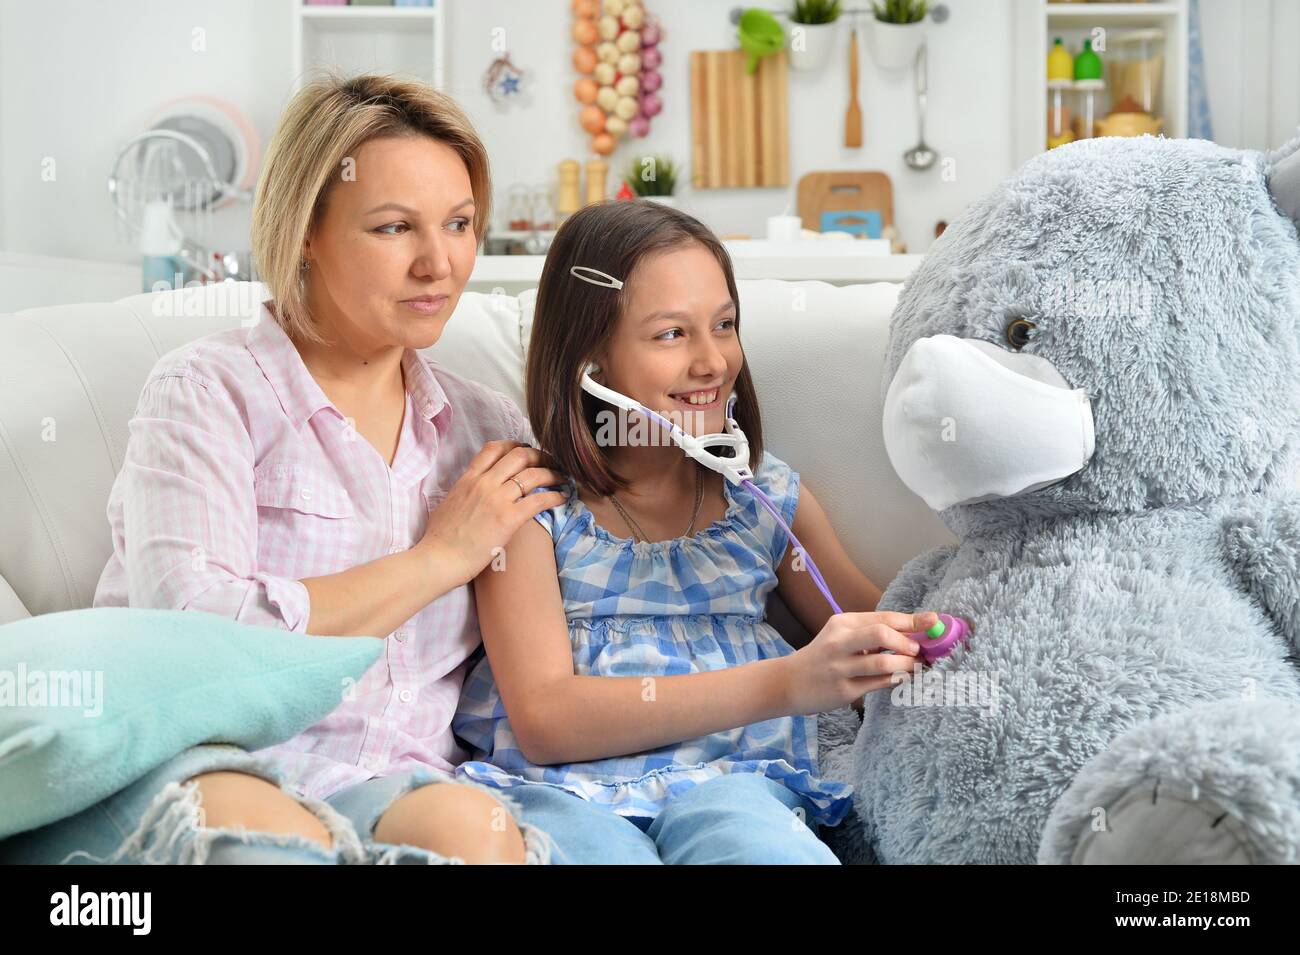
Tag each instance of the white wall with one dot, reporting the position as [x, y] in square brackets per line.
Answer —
[77, 77]
[1252, 56]
[80, 77]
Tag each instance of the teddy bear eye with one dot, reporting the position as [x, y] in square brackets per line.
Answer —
[1018, 333]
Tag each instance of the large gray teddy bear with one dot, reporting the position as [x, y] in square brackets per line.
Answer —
[1130, 691]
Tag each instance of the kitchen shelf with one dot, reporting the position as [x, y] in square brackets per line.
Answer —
[367, 39]
[1037, 22]
[366, 14]
[1096, 12]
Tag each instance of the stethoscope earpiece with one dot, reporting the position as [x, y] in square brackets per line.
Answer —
[735, 469]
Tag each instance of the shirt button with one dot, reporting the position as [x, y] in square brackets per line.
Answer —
[305, 494]
[405, 696]
[399, 635]
[396, 549]
[428, 409]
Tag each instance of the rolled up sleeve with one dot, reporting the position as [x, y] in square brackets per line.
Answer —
[188, 510]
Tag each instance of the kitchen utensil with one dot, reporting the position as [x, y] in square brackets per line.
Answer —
[760, 35]
[921, 156]
[853, 119]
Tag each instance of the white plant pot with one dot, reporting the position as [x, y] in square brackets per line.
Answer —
[663, 200]
[811, 44]
[894, 45]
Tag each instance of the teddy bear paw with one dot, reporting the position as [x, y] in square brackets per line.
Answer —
[1163, 823]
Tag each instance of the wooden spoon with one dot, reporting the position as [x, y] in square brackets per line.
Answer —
[853, 119]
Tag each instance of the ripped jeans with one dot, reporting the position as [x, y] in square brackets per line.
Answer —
[156, 820]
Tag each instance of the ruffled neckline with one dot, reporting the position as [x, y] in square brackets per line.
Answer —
[715, 530]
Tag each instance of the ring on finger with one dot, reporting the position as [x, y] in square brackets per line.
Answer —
[522, 492]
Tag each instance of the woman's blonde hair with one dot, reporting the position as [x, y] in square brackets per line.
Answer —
[325, 123]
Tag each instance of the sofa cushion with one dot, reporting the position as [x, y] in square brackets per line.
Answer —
[125, 689]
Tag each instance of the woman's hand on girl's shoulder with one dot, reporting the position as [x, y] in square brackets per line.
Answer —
[489, 503]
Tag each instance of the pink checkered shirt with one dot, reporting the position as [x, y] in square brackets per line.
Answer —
[241, 477]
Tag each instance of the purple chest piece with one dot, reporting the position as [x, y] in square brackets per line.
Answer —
[938, 641]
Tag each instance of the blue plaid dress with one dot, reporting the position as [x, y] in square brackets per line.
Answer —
[662, 608]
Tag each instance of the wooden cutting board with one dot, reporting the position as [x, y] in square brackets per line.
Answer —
[825, 197]
[740, 125]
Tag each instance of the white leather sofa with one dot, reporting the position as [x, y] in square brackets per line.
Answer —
[70, 376]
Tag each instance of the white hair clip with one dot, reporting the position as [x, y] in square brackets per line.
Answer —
[603, 279]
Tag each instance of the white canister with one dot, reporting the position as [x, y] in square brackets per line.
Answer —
[784, 228]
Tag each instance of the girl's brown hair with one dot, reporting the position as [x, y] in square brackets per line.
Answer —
[574, 320]
[326, 122]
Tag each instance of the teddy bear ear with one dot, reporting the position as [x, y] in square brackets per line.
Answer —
[1284, 180]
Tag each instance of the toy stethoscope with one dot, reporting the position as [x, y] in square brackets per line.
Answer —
[940, 638]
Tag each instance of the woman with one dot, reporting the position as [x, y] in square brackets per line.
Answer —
[314, 473]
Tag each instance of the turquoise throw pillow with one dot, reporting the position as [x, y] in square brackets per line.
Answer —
[91, 700]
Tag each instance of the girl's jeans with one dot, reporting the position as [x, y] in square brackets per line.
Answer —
[738, 818]
[157, 820]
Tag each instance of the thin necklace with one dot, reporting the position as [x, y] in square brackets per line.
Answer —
[636, 528]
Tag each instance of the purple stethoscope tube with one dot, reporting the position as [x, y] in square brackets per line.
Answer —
[799, 548]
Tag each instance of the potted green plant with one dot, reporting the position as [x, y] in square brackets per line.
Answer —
[897, 32]
[653, 178]
[812, 32]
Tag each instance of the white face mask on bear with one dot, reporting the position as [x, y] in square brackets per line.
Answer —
[966, 421]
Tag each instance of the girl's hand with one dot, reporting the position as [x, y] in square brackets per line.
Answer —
[484, 507]
[844, 662]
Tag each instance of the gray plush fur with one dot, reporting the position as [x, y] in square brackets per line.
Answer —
[1141, 618]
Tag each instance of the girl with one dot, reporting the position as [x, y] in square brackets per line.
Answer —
[633, 699]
